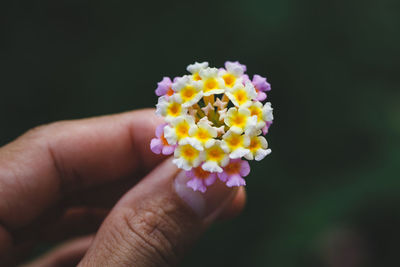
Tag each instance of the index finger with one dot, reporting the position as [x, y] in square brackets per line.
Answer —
[44, 164]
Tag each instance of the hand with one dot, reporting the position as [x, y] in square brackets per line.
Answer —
[66, 179]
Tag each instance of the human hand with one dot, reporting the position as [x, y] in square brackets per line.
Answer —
[66, 179]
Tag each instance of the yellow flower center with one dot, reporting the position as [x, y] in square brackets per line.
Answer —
[241, 96]
[182, 130]
[202, 135]
[189, 153]
[174, 109]
[254, 144]
[188, 93]
[233, 168]
[234, 141]
[215, 153]
[229, 79]
[210, 84]
[239, 120]
[196, 77]
[256, 111]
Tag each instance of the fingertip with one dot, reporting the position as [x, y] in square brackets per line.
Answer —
[235, 207]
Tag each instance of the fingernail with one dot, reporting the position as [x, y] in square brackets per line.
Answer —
[206, 205]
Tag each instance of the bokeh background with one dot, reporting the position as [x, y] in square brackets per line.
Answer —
[328, 195]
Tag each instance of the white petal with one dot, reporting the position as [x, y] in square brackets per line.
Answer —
[211, 166]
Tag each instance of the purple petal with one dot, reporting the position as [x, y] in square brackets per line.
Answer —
[261, 96]
[243, 67]
[163, 86]
[190, 174]
[244, 168]
[197, 185]
[168, 150]
[235, 180]
[210, 179]
[223, 176]
[160, 129]
[156, 145]
[260, 83]
[245, 78]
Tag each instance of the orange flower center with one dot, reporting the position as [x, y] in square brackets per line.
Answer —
[233, 168]
[200, 173]
[170, 92]
[163, 140]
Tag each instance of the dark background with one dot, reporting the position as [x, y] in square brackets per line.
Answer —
[328, 195]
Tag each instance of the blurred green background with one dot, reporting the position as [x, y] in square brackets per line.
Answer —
[328, 195]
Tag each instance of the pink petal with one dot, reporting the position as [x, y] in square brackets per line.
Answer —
[235, 180]
[168, 150]
[163, 86]
[261, 96]
[244, 168]
[223, 176]
[156, 145]
[160, 129]
[210, 179]
[265, 130]
[197, 185]
[245, 78]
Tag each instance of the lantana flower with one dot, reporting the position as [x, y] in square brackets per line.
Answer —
[200, 179]
[160, 145]
[170, 107]
[188, 90]
[261, 85]
[232, 74]
[178, 129]
[214, 121]
[242, 95]
[195, 69]
[234, 172]
[212, 83]
[240, 120]
[164, 87]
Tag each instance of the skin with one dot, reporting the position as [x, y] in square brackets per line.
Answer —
[95, 183]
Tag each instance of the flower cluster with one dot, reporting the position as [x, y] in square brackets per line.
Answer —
[214, 119]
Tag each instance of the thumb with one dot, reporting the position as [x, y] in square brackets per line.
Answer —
[156, 221]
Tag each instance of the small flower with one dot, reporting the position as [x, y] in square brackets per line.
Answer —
[203, 133]
[195, 69]
[159, 145]
[234, 172]
[187, 156]
[258, 148]
[242, 95]
[220, 104]
[239, 120]
[232, 74]
[164, 87]
[178, 129]
[200, 179]
[235, 67]
[207, 109]
[212, 83]
[235, 144]
[215, 158]
[170, 108]
[261, 85]
[267, 112]
[263, 113]
[189, 91]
